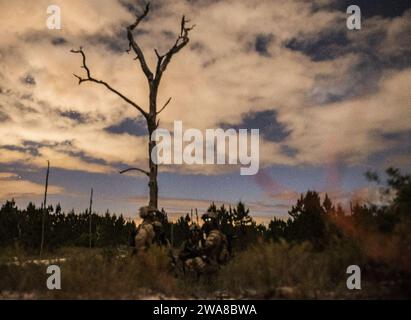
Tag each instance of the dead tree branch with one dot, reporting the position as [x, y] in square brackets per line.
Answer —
[135, 169]
[90, 78]
[165, 105]
[134, 45]
[181, 41]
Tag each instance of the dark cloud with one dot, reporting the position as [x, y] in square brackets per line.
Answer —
[168, 34]
[326, 46]
[371, 8]
[136, 127]
[362, 78]
[396, 142]
[34, 36]
[375, 50]
[58, 41]
[29, 147]
[399, 139]
[135, 7]
[262, 41]
[28, 80]
[66, 147]
[86, 158]
[76, 116]
[289, 151]
[23, 108]
[117, 43]
[197, 46]
[368, 42]
[266, 121]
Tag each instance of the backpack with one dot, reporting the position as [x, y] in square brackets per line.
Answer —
[132, 237]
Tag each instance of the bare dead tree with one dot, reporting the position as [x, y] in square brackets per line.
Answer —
[151, 116]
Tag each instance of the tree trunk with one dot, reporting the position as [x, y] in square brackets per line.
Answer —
[152, 184]
[152, 126]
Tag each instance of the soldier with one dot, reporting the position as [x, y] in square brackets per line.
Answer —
[215, 244]
[145, 231]
[192, 249]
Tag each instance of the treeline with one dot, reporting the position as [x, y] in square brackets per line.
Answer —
[313, 220]
[320, 222]
[23, 228]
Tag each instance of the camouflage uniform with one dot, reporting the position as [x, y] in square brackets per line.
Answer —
[215, 248]
[192, 249]
[197, 265]
[145, 231]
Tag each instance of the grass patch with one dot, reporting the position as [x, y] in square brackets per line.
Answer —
[263, 271]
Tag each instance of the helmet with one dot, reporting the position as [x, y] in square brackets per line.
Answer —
[146, 212]
[210, 221]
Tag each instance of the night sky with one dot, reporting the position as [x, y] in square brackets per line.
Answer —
[330, 103]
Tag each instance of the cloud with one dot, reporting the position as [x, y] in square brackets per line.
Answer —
[129, 126]
[266, 121]
[58, 159]
[13, 186]
[289, 67]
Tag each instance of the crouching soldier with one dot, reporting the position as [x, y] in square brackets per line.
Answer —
[216, 250]
[145, 232]
[192, 250]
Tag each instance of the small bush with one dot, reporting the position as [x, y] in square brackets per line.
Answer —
[297, 271]
[105, 274]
